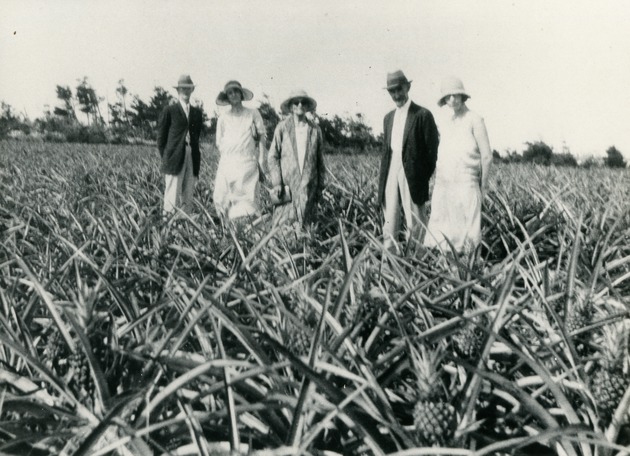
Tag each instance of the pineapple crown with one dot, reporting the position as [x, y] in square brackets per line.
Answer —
[426, 363]
[615, 348]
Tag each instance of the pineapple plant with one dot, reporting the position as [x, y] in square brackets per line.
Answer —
[435, 420]
[579, 312]
[296, 339]
[468, 341]
[610, 380]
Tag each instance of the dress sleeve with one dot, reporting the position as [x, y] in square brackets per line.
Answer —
[483, 143]
[219, 134]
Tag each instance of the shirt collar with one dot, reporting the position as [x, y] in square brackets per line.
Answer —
[404, 108]
[185, 106]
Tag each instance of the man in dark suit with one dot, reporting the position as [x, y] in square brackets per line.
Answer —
[410, 146]
[179, 128]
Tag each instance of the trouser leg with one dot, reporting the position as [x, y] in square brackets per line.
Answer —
[188, 182]
[172, 188]
[391, 223]
[415, 215]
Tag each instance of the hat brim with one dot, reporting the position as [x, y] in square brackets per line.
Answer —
[184, 86]
[285, 107]
[442, 101]
[222, 98]
[398, 84]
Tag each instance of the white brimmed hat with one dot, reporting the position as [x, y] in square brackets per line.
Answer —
[285, 107]
[451, 86]
[222, 99]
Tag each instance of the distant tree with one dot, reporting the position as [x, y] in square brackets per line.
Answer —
[614, 158]
[351, 132]
[139, 112]
[563, 159]
[380, 138]
[64, 93]
[116, 115]
[121, 92]
[270, 118]
[144, 116]
[208, 125]
[359, 133]
[591, 162]
[538, 152]
[160, 99]
[9, 121]
[333, 131]
[89, 101]
[496, 156]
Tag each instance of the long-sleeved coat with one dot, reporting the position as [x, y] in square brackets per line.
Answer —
[419, 154]
[306, 185]
[172, 129]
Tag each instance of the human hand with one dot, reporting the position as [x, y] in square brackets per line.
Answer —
[278, 190]
[255, 134]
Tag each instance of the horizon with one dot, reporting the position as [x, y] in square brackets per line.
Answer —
[560, 79]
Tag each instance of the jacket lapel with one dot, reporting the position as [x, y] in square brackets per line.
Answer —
[191, 117]
[291, 130]
[388, 127]
[306, 171]
[408, 122]
[181, 109]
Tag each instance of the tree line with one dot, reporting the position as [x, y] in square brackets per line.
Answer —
[540, 153]
[78, 117]
[129, 119]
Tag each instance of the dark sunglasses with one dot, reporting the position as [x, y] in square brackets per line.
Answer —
[297, 101]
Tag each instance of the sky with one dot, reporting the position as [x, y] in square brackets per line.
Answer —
[556, 71]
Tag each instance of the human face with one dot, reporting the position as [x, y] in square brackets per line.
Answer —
[184, 93]
[234, 96]
[400, 94]
[299, 106]
[455, 101]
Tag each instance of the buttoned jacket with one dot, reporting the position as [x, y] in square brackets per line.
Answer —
[173, 127]
[419, 152]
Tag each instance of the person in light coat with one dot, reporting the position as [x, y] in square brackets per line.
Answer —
[296, 162]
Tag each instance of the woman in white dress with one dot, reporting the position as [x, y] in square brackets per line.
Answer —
[464, 158]
[240, 139]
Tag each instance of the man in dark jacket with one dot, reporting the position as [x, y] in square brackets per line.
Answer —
[179, 128]
[410, 146]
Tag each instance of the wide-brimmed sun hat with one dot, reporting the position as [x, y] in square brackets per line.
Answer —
[451, 86]
[222, 98]
[395, 79]
[286, 105]
[184, 81]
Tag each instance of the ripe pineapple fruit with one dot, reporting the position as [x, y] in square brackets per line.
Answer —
[468, 341]
[296, 339]
[81, 381]
[579, 313]
[435, 419]
[610, 381]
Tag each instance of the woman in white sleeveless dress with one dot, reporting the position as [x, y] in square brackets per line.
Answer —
[464, 158]
[240, 139]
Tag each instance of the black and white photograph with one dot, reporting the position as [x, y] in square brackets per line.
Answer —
[319, 228]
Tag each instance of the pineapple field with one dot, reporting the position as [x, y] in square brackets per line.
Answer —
[126, 333]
